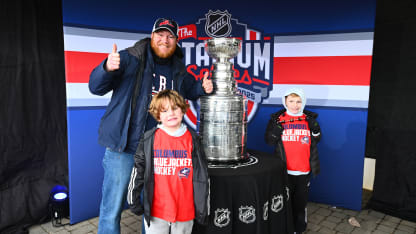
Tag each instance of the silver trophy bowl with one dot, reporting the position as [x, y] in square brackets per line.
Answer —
[223, 49]
[223, 118]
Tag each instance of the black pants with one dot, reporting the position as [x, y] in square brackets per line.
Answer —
[299, 189]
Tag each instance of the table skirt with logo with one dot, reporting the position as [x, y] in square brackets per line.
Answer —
[250, 199]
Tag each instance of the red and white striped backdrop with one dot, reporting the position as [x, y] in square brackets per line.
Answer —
[333, 69]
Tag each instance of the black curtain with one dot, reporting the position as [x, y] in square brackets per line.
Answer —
[392, 109]
[33, 137]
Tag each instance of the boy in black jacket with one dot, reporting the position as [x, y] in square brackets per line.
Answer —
[295, 133]
[171, 170]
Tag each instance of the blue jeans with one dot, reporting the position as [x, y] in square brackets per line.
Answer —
[117, 169]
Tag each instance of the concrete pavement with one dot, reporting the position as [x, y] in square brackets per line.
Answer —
[322, 219]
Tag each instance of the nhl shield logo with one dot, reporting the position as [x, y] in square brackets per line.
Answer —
[277, 203]
[247, 214]
[218, 23]
[266, 210]
[222, 217]
[287, 193]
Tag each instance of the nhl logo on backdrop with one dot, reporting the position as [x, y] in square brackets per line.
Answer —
[253, 66]
[218, 23]
[221, 217]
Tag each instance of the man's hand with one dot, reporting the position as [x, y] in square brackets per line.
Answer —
[207, 83]
[113, 60]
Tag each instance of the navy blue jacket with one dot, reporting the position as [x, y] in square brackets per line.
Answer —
[135, 63]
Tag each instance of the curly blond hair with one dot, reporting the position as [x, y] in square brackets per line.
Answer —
[175, 99]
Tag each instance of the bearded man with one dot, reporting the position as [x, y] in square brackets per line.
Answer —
[134, 75]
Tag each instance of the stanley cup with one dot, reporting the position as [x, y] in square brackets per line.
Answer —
[223, 119]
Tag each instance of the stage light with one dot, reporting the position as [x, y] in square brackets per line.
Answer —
[58, 204]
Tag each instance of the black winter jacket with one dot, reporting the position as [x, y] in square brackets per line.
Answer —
[142, 178]
[273, 137]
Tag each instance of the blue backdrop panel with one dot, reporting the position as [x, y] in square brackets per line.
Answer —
[341, 153]
[85, 156]
[342, 158]
[279, 16]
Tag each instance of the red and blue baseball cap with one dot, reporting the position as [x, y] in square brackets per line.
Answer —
[168, 24]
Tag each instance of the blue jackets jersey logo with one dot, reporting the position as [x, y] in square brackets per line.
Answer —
[184, 172]
[304, 140]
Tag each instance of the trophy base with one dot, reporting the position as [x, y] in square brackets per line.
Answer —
[246, 160]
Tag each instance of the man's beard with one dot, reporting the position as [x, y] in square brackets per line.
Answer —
[159, 53]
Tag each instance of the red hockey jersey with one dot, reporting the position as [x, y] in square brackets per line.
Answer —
[173, 190]
[296, 140]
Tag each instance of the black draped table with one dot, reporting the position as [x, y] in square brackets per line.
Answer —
[250, 199]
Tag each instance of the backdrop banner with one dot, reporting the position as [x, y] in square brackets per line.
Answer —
[322, 47]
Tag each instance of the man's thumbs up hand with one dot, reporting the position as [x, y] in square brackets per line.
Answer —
[207, 84]
[113, 60]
